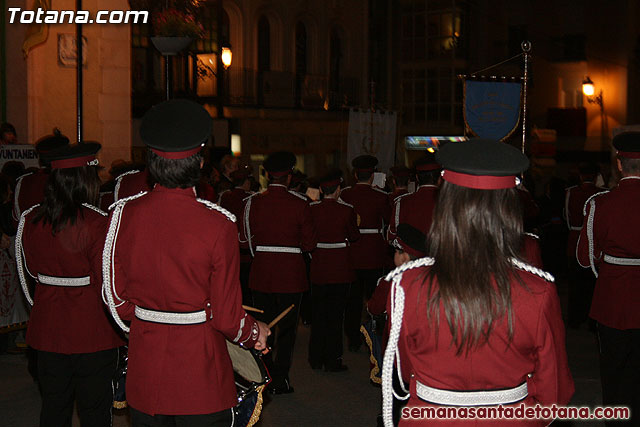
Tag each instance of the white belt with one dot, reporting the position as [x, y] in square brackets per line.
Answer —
[331, 245]
[370, 231]
[64, 281]
[621, 261]
[281, 249]
[575, 228]
[170, 318]
[471, 398]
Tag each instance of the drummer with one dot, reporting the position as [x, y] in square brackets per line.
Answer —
[173, 273]
[475, 317]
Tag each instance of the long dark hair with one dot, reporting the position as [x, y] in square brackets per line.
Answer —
[472, 238]
[64, 193]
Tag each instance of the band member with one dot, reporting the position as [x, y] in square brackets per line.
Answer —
[278, 228]
[399, 182]
[408, 245]
[62, 240]
[610, 244]
[370, 251]
[30, 186]
[171, 268]
[233, 200]
[331, 273]
[474, 316]
[581, 281]
[416, 209]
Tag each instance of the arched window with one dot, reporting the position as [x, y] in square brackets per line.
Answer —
[264, 54]
[300, 60]
[335, 66]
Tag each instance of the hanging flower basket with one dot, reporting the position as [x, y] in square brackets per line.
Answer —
[171, 45]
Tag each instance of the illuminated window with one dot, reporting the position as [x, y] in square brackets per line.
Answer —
[432, 54]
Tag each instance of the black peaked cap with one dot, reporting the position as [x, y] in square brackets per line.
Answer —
[364, 161]
[280, 161]
[482, 157]
[628, 142]
[176, 125]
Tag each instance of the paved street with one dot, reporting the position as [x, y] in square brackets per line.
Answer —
[320, 399]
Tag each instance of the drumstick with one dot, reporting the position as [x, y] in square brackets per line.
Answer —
[249, 308]
[280, 316]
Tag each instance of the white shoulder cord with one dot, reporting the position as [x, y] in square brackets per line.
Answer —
[231, 217]
[16, 196]
[20, 254]
[116, 190]
[247, 228]
[392, 352]
[95, 209]
[108, 269]
[592, 203]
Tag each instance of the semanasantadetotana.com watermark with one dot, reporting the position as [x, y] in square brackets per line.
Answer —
[42, 16]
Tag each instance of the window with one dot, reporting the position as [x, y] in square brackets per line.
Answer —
[432, 29]
[264, 54]
[335, 65]
[301, 60]
[432, 55]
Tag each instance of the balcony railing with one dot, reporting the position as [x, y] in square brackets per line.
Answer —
[280, 89]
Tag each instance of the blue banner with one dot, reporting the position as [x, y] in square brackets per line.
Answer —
[492, 109]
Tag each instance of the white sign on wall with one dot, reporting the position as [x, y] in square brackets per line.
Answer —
[21, 153]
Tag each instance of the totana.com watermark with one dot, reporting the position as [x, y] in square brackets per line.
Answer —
[42, 16]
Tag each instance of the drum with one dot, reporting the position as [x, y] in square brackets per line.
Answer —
[373, 331]
[251, 377]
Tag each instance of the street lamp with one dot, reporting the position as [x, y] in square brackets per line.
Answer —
[588, 89]
[227, 56]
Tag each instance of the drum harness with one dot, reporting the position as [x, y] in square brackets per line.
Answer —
[424, 392]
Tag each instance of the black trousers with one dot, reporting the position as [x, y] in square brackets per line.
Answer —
[216, 419]
[328, 303]
[245, 268]
[620, 369]
[84, 378]
[283, 334]
[582, 282]
[363, 287]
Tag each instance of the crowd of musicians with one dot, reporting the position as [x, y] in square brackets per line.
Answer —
[166, 261]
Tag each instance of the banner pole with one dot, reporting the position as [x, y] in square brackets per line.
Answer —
[79, 88]
[526, 48]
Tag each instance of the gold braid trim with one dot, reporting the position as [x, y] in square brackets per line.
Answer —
[119, 404]
[375, 370]
[255, 416]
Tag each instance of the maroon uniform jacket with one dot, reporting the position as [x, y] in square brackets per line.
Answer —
[415, 209]
[335, 223]
[575, 198]
[373, 210]
[615, 238]
[233, 200]
[278, 227]
[131, 183]
[106, 200]
[397, 193]
[175, 253]
[537, 348]
[29, 191]
[68, 319]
